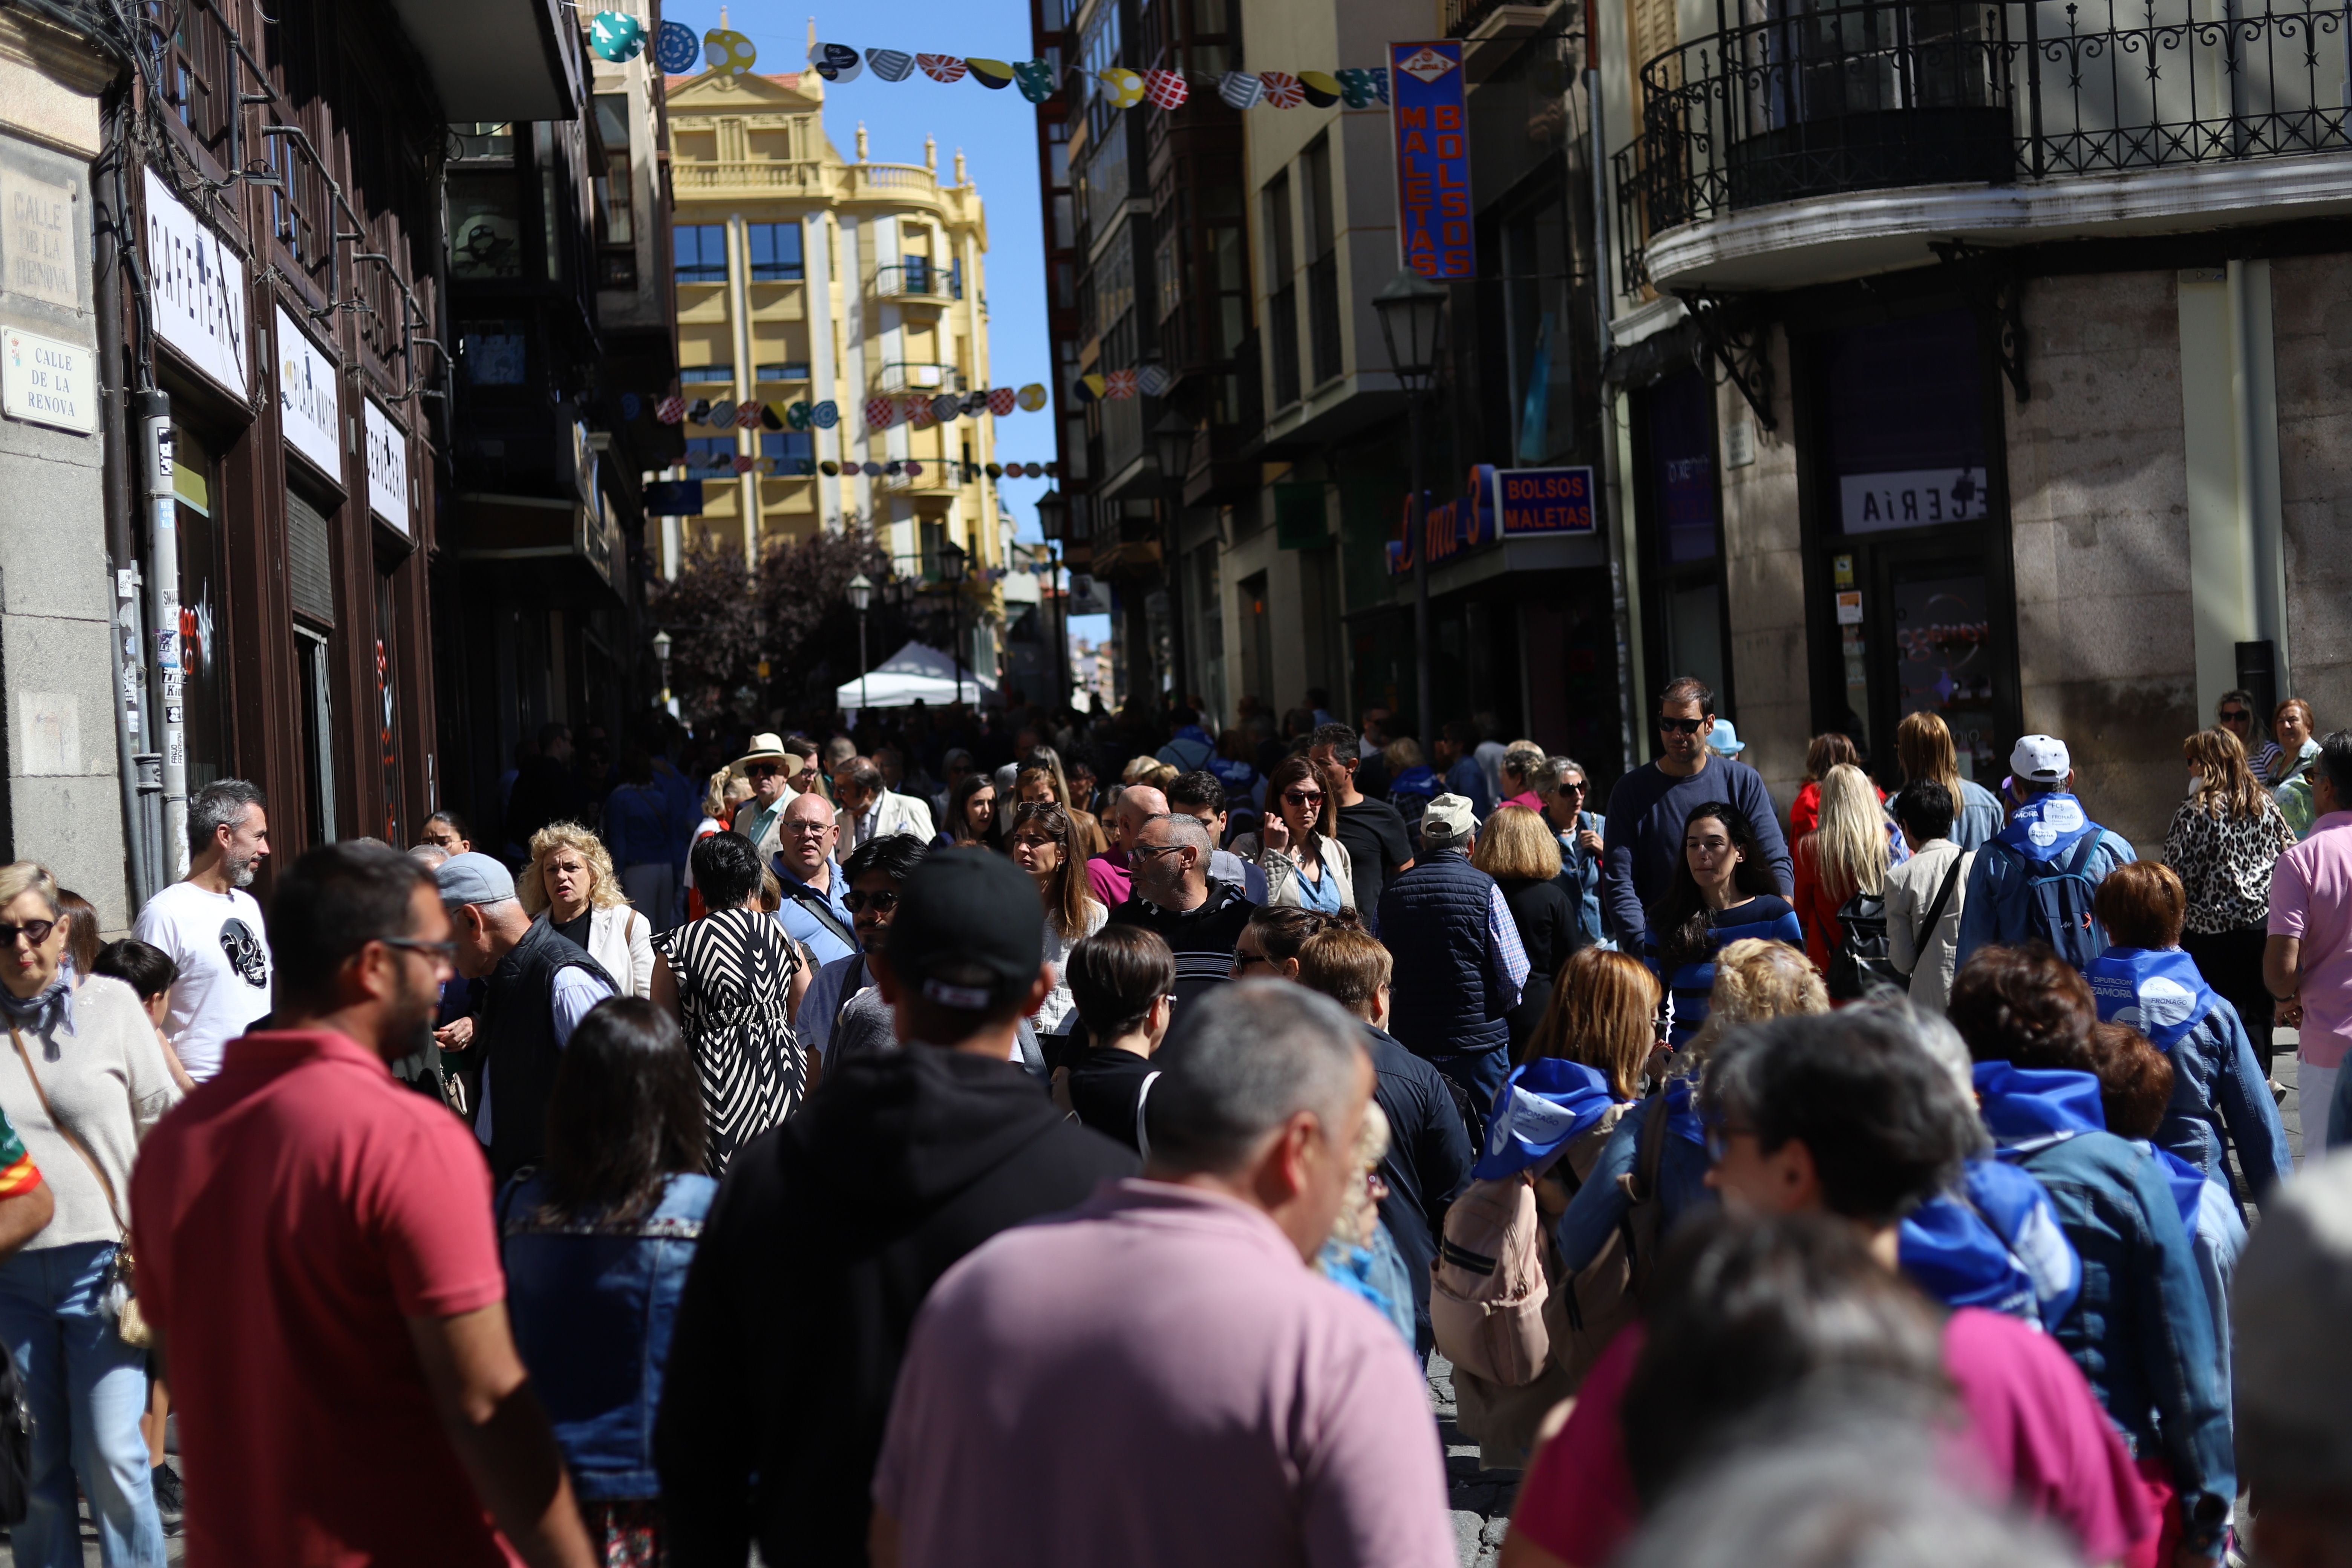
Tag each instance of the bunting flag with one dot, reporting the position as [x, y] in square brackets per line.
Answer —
[700, 412]
[722, 413]
[890, 65]
[1151, 380]
[1032, 397]
[1281, 89]
[743, 464]
[728, 52]
[835, 62]
[881, 413]
[995, 75]
[747, 417]
[1035, 79]
[1321, 88]
[1166, 90]
[1240, 90]
[1118, 386]
[919, 413]
[975, 403]
[946, 407]
[631, 406]
[940, 67]
[1001, 400]
[796, 416]
[825, 416]
[1092, 385]
[1360, 88]
[670, 410]
[676, 48]
[769, 418]
[1122, 89]
[616, 36]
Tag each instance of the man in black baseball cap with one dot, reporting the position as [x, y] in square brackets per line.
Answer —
[831, 1228]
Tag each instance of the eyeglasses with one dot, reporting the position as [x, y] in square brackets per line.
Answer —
[1719, 1137]
[1243, 960]
[1565, 787]
[447, 952]
[809, 828]
[35, 932]
[1680, 726]
[880, 903]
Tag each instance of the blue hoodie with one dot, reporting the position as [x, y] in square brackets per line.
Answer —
[2220, 1090]
[2044, 834]
[2142, 1330]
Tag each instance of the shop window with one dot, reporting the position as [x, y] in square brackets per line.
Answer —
[310, 653]
[1539, 313]
[788, 447]
[485, 226]
[387, 686]
[1281, 290]
[1680, 509]
[1905, 425]
[706, 376]
[204, 662]
[310, 559]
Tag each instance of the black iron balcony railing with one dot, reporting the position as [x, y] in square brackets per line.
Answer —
[1868, 97]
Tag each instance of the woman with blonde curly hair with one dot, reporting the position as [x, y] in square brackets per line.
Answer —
[1755, 980]
[571, 887]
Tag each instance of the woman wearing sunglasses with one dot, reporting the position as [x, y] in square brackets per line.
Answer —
[1299, 849]
[1043, 844]
[83, 1080]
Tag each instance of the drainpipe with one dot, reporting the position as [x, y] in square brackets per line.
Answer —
[1612, 498]
[128, 635]
[153, 412]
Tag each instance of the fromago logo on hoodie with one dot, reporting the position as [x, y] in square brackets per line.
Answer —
[244, 951]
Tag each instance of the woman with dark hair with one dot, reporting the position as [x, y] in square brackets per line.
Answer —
[1298, 847]
[1723, 891]
[972, 813]
[734, 980]
[1268, 946]
[1043, 845]
[596, 1244]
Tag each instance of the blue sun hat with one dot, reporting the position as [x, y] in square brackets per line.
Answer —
[1724, 739]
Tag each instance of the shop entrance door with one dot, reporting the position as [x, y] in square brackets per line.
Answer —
[1919, 631]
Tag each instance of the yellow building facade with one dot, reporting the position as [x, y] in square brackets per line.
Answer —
[806, 277]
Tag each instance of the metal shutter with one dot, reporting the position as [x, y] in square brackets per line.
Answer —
[311, 555]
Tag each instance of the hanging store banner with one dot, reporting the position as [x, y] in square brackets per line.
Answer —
[310, 406]
[199, 290]
[1546, 501]
[387, 460]
[1432, 159]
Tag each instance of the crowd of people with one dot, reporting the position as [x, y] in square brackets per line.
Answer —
[1047, 1138]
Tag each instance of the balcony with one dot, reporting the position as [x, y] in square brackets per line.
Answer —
[753, 178]
[1758, 142]
[917, 282]
[910, 375]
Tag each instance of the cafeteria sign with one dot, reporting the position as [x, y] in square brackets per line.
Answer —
[1432, 159]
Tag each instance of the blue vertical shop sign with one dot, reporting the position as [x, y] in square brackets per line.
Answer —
[1432, 159]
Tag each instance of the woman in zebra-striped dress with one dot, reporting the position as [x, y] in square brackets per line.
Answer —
[734, 979]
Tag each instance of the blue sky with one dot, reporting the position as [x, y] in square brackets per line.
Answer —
[998, 133]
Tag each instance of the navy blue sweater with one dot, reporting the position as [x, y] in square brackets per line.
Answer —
[1644, 833]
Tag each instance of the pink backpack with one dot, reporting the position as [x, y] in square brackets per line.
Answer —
[1487, 1290]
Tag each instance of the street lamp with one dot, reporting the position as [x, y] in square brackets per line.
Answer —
[661, 656]
[1171, 441]
[861, 594]
[951, 566]
[1413, 324]
[1052, 518]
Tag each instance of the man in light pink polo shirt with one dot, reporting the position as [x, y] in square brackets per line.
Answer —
[2307, 961]
[1158, 1378]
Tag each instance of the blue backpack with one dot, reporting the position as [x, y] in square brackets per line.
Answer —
[2059, 895]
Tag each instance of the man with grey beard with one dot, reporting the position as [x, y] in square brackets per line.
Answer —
[213, 928]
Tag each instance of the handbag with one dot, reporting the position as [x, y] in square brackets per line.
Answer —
[117, 1299]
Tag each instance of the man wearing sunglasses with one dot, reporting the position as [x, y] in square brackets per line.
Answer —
[770, 768]
[1648, 806]
[876, 871]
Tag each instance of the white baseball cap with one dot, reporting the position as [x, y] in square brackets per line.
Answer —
[2040, 759]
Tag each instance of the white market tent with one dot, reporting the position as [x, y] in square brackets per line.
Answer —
[913, 672]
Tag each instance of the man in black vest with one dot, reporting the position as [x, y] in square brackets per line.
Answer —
[1459, 963]
[540, 988]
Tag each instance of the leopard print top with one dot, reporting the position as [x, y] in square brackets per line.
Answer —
[2225, 863]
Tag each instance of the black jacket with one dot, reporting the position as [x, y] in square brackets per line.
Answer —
[823, 1241]
[515, 1037]
[1545, 912]
[1428, 1162]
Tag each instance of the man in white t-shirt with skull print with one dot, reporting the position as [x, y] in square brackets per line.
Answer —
[213, 928]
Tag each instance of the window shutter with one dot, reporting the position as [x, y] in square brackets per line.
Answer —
[311, 554]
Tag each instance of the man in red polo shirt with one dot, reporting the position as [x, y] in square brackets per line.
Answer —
[316, 1257]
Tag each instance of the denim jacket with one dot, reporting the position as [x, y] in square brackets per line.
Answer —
[1579, 878]
[592, 1306]
[2142, 1330]
[1600, 1205]
[2218, 1084]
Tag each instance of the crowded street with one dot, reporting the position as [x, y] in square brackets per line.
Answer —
[1175, 783]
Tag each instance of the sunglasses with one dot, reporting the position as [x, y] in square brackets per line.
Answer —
[880, 903]
[1149, 851]
[1681, 726]
[2235, 715]
[1304, 797]
[35, 932]
[761, 770]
